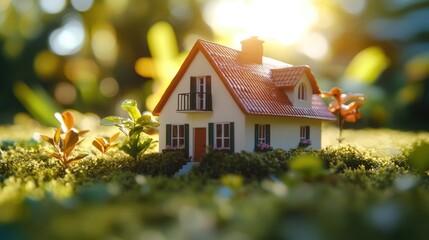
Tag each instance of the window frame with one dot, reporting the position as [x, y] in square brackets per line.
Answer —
[302, 92]
[262, 134]
[201, 93]
[199, 98]
[176, 136]
[304, 133]
[223, 135]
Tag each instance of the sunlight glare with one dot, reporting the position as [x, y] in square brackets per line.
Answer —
[284, 21]
[315, 46]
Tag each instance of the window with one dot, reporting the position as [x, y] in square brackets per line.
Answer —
[304, 133]
[302, 92]
[177, 136]
[201, 86]
[262, 134]
[262, 137]
[200, 96]
[221, 136]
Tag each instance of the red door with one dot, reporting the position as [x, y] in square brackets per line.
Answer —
[199, 143]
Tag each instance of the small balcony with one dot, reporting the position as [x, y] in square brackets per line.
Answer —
[194, 101]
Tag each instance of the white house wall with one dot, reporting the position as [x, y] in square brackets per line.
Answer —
[224, 107]
[284, 131]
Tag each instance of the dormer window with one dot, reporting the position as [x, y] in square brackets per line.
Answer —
[302, 93]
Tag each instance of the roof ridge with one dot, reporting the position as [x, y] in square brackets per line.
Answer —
[217, 44]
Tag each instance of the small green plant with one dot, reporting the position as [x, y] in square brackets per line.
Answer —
[103, 144]
[133, 128]
[345, 107]
[64, 146]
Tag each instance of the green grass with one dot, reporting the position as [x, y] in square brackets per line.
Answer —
[368, 189]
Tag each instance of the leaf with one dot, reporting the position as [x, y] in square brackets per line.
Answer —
[70, 141]
[124, 130]
[144, 120]
[56, 155]
[48, 139]
[75, 159]
[102, 140]
[83, 132]
[114, 121]
[130, 106]
[114, 137]
[352, 97]
[37, 101]
[57, 137]
[83, 139]
[136, 130]
[68, 119]
[147, 120]
[98, 145]
[111, 121]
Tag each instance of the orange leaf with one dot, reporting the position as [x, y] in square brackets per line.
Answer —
[351, 118]
[102, 140]
[48, 139]
[68, 119]
[113, 137]
[83, 132]
[98, 145]
[73, 160]
[57, 136]
[56, 155]
[70, 141]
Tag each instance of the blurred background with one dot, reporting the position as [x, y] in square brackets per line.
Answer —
[89, 55]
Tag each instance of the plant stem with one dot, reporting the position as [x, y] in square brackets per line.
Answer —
[340, 126]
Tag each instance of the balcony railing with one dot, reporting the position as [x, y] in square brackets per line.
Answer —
[195, 101]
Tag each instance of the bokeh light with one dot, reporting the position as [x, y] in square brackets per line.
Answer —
[82, 5]
[104, 44]
[46, 64]
[81, 69]
[65, 93]
[109, 87]
[69, 38]
[23, 6]
[52, 6]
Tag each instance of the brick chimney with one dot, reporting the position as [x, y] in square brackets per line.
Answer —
[251, 50]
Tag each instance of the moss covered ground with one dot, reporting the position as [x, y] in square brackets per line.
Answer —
[372, 186]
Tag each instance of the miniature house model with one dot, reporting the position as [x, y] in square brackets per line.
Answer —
[239, 101]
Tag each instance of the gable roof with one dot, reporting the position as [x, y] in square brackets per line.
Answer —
[288, 77]
[256, 88]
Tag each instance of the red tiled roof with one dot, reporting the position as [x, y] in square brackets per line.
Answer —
[258, 89]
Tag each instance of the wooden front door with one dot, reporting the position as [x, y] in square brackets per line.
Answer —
[199, 143]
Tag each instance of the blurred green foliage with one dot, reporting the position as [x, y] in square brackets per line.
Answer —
[362, 194]
[90, 55]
